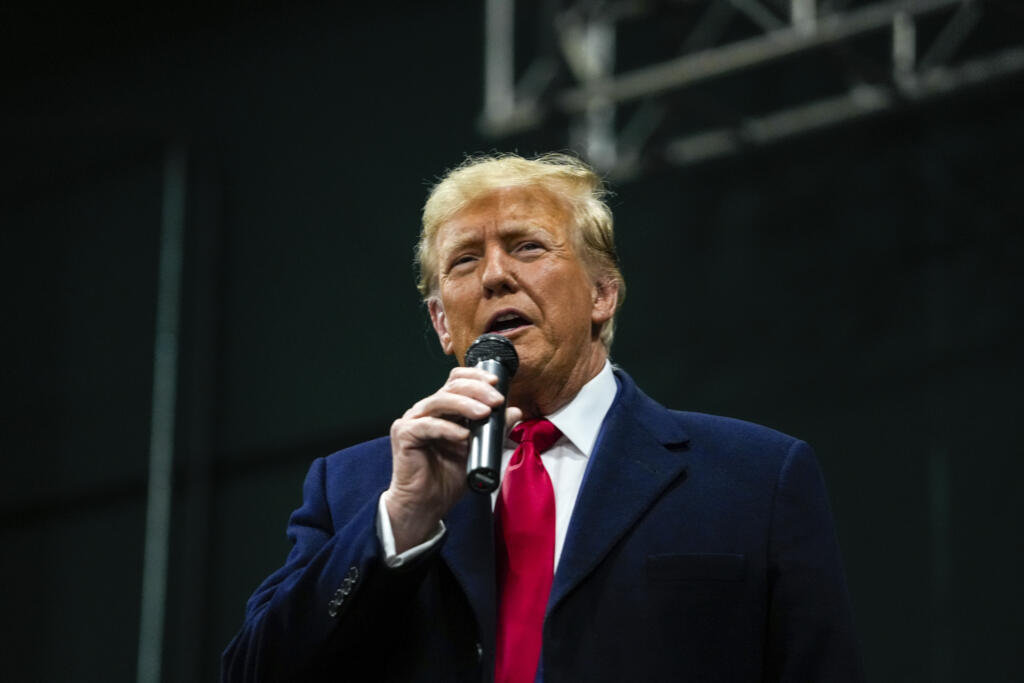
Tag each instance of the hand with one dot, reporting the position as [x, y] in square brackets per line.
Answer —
[429, 446]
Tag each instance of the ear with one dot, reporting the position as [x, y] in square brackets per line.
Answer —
[606, 297]
[440, 323]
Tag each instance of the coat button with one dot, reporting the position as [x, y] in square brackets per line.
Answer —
[346, 587]
[479, 653]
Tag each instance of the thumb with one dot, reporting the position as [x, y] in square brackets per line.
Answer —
[512, 416]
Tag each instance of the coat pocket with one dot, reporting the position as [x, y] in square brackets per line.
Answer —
[696, 567]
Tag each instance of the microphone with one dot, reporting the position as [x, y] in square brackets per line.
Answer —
[496, 355]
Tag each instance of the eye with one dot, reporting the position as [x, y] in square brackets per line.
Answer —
[530, 246]
[461, 260]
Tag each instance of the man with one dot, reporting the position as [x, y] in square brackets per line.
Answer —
[628, 542]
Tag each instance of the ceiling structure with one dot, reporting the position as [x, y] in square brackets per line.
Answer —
[641, 83]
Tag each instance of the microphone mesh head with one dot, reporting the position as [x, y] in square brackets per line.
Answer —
[493, 347]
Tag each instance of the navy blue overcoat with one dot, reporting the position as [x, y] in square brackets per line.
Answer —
[701, 549]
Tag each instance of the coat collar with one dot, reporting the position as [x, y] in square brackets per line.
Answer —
[638, 454]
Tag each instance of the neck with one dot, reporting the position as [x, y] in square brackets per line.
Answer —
[538, 393]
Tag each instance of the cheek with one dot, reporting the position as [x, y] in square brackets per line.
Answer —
[455, 297]
[573, 291]
[460, 313]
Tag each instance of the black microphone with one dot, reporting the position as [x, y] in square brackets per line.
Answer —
[495, 354]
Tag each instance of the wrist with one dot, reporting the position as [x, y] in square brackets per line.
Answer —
[412, 523]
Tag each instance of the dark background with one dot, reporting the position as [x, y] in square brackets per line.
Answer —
[857, 288]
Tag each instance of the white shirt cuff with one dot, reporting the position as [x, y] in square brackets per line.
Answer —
[387, 539]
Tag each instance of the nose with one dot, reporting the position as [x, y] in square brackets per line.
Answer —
[498, 275]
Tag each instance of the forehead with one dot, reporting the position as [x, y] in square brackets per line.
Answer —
[507, 209]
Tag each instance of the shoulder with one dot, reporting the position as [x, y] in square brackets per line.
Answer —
[714, 437]
[745, 457]
[368, 460]
[346, 479]
[360, 453]
[695, 425]
[743, 451]
[731, 432]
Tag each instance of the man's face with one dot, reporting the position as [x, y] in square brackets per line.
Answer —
[508, 264]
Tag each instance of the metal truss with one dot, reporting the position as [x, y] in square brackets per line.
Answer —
[737, 73]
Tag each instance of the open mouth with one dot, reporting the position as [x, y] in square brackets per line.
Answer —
[507, 322]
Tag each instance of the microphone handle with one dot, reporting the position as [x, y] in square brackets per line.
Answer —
[487, 437]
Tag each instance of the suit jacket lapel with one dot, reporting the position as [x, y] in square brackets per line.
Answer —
[469, 552]
[638, 454]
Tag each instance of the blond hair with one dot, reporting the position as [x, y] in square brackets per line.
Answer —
[564, 176]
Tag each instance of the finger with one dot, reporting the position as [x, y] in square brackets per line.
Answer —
[474, 388]
[512, 416]
[460, 372]
[423, 430]
[449, 406]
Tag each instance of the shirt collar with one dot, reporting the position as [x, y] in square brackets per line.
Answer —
[581, 418]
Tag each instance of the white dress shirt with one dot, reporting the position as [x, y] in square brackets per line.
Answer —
[580, 422]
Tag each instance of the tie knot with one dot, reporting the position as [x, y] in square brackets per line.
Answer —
[540, 432]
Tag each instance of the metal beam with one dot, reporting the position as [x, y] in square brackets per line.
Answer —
[692, 69]
[617, 139]
[859, 103]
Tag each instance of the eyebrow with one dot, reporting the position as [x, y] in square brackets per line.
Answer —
[513, 230]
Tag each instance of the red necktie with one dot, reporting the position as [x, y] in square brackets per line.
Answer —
[525, 514]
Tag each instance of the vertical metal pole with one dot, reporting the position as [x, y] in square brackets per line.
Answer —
[499, 60]
[804, 15]
[904, 45]
[593, 131]
[161, 441]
